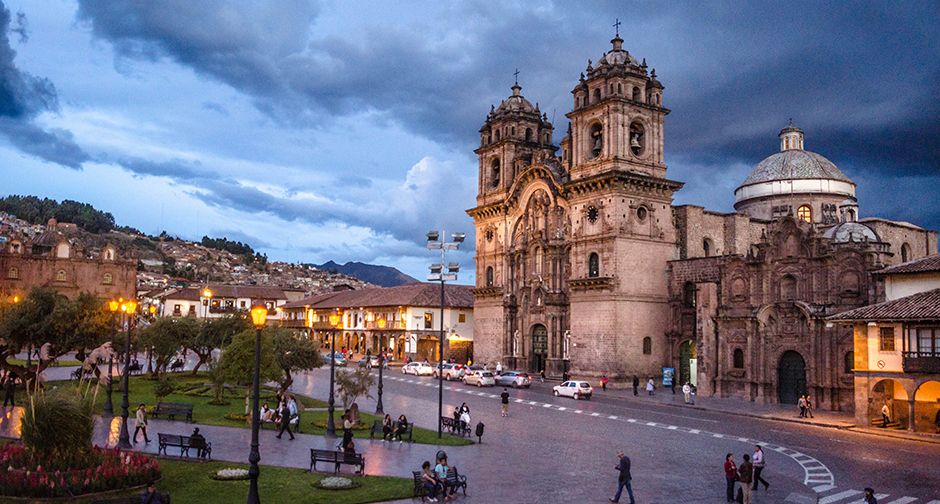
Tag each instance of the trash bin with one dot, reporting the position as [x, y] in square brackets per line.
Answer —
[480, 427]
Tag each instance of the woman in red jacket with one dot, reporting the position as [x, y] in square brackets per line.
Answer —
[731, 475]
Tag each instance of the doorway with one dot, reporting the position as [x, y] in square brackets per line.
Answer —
[791, 377]
[688, 358]
[539, 347]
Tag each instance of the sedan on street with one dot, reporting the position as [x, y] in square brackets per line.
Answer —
[451, 371]
[480, 379]
[515, 379]
[337, 357]
[417, 369]
[574, 389]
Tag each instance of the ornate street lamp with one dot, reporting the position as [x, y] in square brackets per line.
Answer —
[335, 320]
[259, 316]
[113, 307]
[129, 308]
[206, 293]
[439, 275]
[379, 409]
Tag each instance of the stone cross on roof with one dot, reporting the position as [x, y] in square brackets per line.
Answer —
[616, 26]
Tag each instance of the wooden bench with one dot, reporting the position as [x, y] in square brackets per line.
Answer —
[171, 410]
[183, 442]
[177, 365]
[377, 428]
[129, 500]
[134, 368]
[454, 480]
[419, 490]
[337, 458]
[455, 426]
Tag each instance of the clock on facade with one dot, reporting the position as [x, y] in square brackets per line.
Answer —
[592, 214]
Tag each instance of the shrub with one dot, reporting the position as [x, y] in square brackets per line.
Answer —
[163, 387]
[58, 426]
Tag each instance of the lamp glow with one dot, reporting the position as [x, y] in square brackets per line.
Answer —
[259, 315]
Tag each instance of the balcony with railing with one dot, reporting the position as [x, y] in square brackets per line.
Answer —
[921, 362]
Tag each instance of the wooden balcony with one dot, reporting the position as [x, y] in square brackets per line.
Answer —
[921, 362]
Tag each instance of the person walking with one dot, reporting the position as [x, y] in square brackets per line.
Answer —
[809, 406]
[802, 405]
[936, 421]
[650, 386]
[504, 398]
[687, 392]
[604, 381]
[758, 460]
[624, 480]
[636, 385]
[870, 496]
[541, 376]
[731, 475]
[9, 388]
[285, 422]
[745, 475]
[141, 423]
[885, 416]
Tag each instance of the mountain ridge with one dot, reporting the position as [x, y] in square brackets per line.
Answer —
[384, 276]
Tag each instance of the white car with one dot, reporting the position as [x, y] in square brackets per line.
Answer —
[451, 371]
[417, 369]
[574, 389]
[480, 379]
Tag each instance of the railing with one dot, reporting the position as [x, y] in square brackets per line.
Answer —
[921, 362]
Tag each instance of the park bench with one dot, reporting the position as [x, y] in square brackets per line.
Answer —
[136, 499]
[377, 429]
[454, 480]
[134, 368]
[183, 442]
[337, 458]
[455, 426]
[171, 410]
[177, 365]
[419, 490]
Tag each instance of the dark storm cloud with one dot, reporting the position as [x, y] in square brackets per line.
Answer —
[177, 169]
[22, 98]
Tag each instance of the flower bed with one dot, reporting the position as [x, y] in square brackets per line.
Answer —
[23, 474]
[336, 483]
[230, 474]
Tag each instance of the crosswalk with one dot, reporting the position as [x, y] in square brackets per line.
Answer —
[853, 496]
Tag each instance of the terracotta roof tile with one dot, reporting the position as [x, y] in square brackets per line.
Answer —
[417, 294]
[917, 307]
[929, 263]
[230, 291]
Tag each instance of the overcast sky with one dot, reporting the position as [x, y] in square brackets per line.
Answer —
[317, 131]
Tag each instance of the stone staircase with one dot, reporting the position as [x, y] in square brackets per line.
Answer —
[894, 424]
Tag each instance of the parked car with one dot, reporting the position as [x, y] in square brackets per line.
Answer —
[337, 358]
[574, 389]
[480, 379]
[417, 369]
[469, 369]
[370, 361]
[515, 379]
[451, 371]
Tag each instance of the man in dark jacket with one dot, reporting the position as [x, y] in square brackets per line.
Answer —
[285, 422]
[745, 475]
[9, 387]
[636, 384]
[152, 496]
[624, 480]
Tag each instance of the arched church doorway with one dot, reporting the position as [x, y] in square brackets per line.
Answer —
[688, 358]
[539, 347]
[791, 377]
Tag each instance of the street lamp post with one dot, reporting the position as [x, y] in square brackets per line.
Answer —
[379, 409]
[207, 293]
[335, 320]
[129, 308]
[259, 315]
[113, 307]
[438, 275]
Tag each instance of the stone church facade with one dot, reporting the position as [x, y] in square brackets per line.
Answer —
[584, 265]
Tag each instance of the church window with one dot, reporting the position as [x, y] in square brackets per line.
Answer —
[494, 173]
[905, 253]
[107, 279]
[619, 88]
[60, 276]
[594, 265]
[13, 273]
[528, 134]
[538, 261]
[804, 213]
[597, 140]
[688, 295]
[850, 283]
[848, 365]
[611, 88]
[597, 95]
[428, 320]
[647, 345]
[738, 358]
[636, 94]
[851, 215]
[513, 131]
[62, 251]
[592, 214]
[707, 247]
[886, 339]
[788, 288]
[641, 213]
[637, 139]
[489, 235]
[109, 254]
[489, 276]
[497, 135]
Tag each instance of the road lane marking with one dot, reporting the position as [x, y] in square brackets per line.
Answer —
[877, 496]
[823, 488]
[562, 408]
[612, 417]
[904, 500]
[694, 431]
[839, 496]
[595, 414]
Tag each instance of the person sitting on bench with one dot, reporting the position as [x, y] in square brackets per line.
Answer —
[197, 441]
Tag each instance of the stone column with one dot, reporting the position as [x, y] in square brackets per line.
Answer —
[911, 421]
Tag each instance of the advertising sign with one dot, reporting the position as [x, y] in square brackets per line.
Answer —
[668, 375]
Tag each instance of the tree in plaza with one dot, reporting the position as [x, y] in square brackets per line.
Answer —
[45, 319]
[214, 334]
[165, 337]
[352, 384]
[237, 364]
[294, 352]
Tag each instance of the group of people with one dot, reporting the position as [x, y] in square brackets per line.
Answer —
[391, 430]
[286, 413]
[688, 390]
[749, 475]
[435, 480]
[462, 416]
[806, 406]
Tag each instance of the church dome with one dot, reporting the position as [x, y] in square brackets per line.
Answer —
[515, 103]
[795, 164]
[851, 232]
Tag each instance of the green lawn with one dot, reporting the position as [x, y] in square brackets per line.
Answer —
[59, 363]
[188, 481]
[420, 435]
